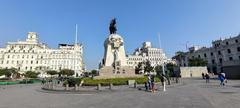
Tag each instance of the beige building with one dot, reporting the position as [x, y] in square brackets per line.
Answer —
[222, 54]
[31, 55]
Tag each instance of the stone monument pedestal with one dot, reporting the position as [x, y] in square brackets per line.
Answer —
[120, 72]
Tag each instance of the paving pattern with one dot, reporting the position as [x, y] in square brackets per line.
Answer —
[191, 93]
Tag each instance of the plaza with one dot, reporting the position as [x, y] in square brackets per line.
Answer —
[190, 93]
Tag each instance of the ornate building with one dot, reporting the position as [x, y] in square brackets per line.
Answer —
[222, 54]
[31, 55]
[156, 56]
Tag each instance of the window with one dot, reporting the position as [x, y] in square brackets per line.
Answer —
[211, 54]
[229, 51]
[226, 43]
[219, 53]
[213, 61]
[31, 62]
[123, 71]
[230, 58]
[236, 41]
[205, 55]
[199, 56]
[113, 71]
[238, 49]
[220, 60]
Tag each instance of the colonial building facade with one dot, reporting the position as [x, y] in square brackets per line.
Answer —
[156, 56]
[222, 53]
[31, 55]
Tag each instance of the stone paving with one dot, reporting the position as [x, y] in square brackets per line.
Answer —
[191, 93]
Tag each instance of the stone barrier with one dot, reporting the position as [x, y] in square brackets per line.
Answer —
[76, 87]
[110, 86]
[67, 87]
[131, 83]
[99, 87]
[135, 85]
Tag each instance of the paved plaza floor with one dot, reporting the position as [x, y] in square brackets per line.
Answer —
[191, 93]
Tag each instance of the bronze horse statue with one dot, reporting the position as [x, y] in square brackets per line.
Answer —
[112, 27]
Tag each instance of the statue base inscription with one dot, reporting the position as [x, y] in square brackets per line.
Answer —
[118, 72]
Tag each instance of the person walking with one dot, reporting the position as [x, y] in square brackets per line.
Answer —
[221, 78]
[203, 76]
[207, 77]
[149, 82]
[162, 78]
[153, 83]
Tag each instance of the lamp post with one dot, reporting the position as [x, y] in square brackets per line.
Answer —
[164, 84]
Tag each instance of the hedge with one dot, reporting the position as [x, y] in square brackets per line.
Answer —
[115, 81]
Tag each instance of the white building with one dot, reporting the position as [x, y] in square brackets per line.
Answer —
[222, 54]
[31, 55]
[156, 56]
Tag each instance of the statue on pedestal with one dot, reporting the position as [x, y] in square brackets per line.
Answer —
[112, 27]
[114, 62]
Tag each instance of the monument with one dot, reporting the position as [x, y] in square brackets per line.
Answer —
[114, 63]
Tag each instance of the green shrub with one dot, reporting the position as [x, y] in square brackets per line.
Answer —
[115, 81]
[72, 81]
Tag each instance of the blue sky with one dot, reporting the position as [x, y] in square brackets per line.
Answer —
[177, 21]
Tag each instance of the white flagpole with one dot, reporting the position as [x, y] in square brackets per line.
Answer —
[76, 34]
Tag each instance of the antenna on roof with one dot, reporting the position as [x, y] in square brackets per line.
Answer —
[76, 35]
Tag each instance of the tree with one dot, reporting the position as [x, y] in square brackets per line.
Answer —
[159, 70]
[86, 74]
[148, 67]
[6, 72]
[197, 62]
[14, 72]
[138, 68]
[31, 74]
[67, 72]
[1, 72]
[170, 67]
[52, 72]
[94, 72]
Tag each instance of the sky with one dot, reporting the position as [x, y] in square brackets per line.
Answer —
[179, 23]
